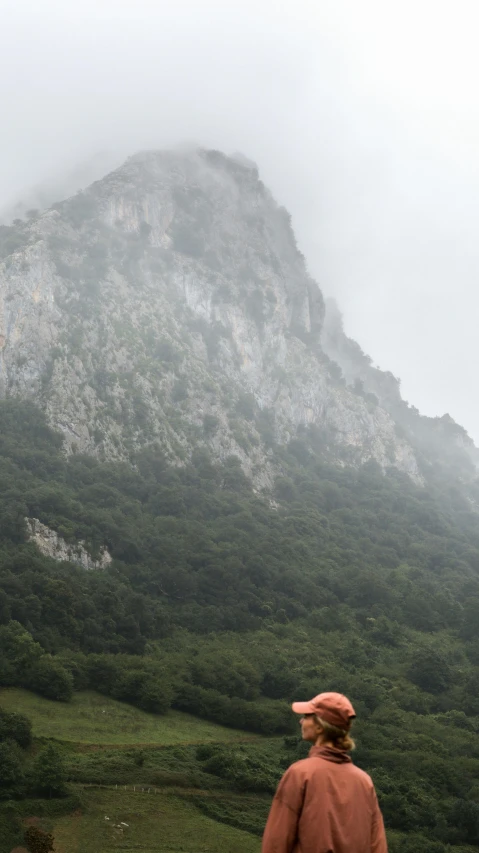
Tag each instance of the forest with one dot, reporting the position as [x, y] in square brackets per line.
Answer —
[229, 604]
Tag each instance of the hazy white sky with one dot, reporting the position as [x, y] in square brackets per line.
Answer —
[363, 116]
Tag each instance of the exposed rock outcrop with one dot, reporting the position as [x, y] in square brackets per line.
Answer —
[52, 545]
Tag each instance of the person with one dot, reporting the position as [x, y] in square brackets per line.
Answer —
[324, 803]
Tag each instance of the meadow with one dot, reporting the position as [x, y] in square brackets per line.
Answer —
[165, 822]
[91, 718]
[169, 783]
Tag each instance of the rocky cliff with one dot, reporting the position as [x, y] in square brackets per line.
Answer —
[169, 303]
[52, 545]
[438, 442]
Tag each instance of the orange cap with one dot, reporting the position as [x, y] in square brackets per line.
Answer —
[334, 708]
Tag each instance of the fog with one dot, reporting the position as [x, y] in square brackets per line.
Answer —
[362, 116]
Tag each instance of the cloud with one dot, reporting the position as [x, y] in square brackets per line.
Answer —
[363, 118]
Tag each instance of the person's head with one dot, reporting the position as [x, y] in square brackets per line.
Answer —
[327, 719]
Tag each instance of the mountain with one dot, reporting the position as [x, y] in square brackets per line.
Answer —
[439, 442]
[61, 184]
[212, 502]
[168, 303]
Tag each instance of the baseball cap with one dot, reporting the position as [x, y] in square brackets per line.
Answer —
[334, 708]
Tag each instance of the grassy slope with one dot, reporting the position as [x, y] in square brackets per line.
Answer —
[169, 820]
[173, 820]
[163, 822]
[92, 718]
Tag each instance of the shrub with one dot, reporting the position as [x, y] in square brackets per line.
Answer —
[49, 773]
[38, 841]
[49, 678]
[12, 776]
[15, 727]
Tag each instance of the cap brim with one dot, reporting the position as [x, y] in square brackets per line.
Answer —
[303, 707]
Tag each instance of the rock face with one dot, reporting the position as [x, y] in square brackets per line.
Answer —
[52, 545]
[439, 441]
[169, 303]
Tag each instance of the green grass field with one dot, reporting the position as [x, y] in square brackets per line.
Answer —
[187, 809]
[94, 719]
[163, 822]
[169, 820]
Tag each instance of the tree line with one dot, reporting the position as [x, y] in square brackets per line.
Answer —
[218, 603]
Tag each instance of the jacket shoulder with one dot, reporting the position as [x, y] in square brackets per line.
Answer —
[300, 768]
[361, 774]
[306, 767]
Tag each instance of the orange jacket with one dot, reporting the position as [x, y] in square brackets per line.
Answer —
[324, 804]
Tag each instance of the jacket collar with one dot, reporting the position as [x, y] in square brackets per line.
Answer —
[330, 753]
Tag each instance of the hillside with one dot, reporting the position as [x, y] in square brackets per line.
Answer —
[90, 718]
[219, 604]
[211, 503]
[129, 796]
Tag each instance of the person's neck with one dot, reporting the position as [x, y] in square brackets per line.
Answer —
[321, 742]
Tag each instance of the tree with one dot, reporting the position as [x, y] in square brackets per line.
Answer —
[38, 841]
[156, 696]
[470, 625]
[18, 653]
[49, 773]
[228, 673]
[412, 843]
[49, 678]
[465, 815]
[278, 681]
[15, 727]
[12, 777]
[430, 671]
[104, 673]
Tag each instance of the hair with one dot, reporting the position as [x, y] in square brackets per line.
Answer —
[338, 737]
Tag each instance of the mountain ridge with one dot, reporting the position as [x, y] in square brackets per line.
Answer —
[168, 303]
[168, 327]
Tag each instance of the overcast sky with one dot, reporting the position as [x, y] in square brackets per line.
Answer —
[363, 116]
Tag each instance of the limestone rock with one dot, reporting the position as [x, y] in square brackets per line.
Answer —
[169, 303]
[52, 545]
